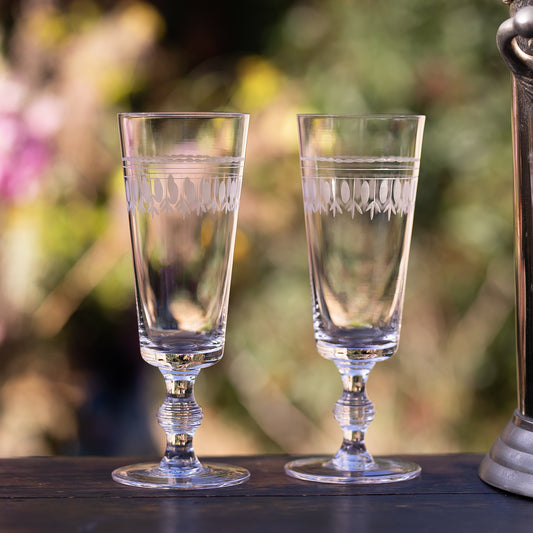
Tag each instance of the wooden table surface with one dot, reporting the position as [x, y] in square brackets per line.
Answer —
[77, 494]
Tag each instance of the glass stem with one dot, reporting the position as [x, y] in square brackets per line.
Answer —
[354, 412]
[180, 416]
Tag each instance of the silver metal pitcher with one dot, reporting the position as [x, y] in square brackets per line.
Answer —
[509, 464]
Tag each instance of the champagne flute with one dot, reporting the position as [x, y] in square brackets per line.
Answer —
[183, 174]
[359, 179]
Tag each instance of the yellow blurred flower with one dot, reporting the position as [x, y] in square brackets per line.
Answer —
[142, 21]
[48, 25]
[259, 83]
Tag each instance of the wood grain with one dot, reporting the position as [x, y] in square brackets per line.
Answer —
[77, 494]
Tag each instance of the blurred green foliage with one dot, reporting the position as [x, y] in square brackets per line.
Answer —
[71, 378]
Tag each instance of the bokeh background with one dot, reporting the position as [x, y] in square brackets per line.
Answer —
[71, 378]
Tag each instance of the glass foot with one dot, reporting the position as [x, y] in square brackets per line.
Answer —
[382, 470]
[208, 476]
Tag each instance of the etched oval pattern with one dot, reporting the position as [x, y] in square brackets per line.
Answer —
[155, 195]
[370, 195]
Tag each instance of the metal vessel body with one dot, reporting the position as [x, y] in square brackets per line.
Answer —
[509, 464]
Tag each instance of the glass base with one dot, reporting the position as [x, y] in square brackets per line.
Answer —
[208, 476]
[382, 470]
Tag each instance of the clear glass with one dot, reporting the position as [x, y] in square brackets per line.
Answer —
[183, 175]
[359, 180]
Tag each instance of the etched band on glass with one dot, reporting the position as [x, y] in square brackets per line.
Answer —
[357, 184]
[154, 187]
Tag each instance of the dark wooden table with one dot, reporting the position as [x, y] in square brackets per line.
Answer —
[77, 495]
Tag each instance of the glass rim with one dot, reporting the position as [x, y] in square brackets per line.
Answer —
[370, 115]
[181, 114]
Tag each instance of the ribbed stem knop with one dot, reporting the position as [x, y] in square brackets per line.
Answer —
[354, 412]
[180, 416]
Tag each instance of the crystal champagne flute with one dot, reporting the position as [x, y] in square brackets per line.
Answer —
[183, 174]
[359, 179]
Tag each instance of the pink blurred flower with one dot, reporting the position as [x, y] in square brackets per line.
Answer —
[27, 126]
